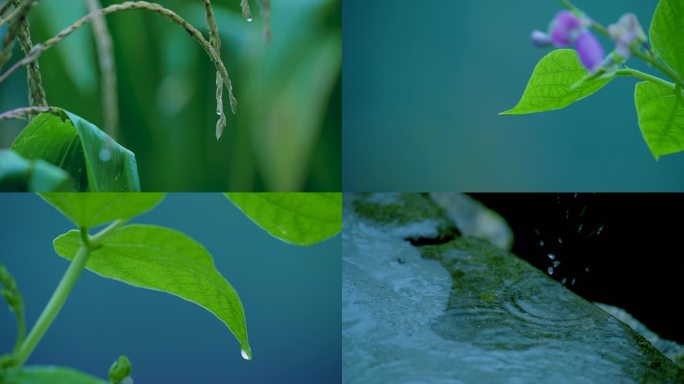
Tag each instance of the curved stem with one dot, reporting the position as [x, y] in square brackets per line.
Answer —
[21, 330]
[51, 310]
[169, 14]
[53, 306]
[644, 76]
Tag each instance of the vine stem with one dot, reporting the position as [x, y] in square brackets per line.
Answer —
[129, 5]
[644, 76]
[61, 293]
[21, 113]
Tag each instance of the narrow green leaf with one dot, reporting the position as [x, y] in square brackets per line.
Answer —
[49, 375]
[297, 218]
[558, 80]
[661, 118]
[20, 175]
[667, 33]
[95, 161]
[92, 209]
[165, 260]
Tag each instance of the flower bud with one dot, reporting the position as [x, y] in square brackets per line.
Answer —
[627, 33]
[590, 51]
[541, 39]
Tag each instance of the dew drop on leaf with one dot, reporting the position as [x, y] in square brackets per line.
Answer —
[249, 19]
[105, 154]
[245, 355]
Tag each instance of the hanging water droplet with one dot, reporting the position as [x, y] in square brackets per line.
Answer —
[245, 355]
[552, 256]
[550, 270]
[556, 264]
[250, 19]
[105, 154]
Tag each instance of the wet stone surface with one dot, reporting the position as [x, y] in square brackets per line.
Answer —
[465, 311]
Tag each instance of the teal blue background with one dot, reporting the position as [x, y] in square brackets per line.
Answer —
[291, 297]
[423, 85]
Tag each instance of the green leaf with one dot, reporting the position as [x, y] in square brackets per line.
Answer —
[558, 80]
[164, 260]
[297, 218]
[92, 209]
[94, 160]
[667, 33]
[20, 175]
[661, 118]
[49, 375]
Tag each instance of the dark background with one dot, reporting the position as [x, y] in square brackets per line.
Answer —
[291, 297]
[424, 83]
[635, 262]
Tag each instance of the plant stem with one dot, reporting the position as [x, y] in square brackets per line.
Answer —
[21, 113]
[51, 310]
[644, 76]
[110, 98]
[53, 306]
[169, 14]
[21, 330]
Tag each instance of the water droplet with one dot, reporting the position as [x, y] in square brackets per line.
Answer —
[541, 243]
[560, 241]
[250, 19]
[573, 281]
[552, 256]
[565, 280]
[556, 264]
[586, 269]
[105, 154]
[598, 232]
[550, 270]
[579, 230]
[245, 355]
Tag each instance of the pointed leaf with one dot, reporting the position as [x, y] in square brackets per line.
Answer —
[20, 175]
[95, 161]
[297, 218]
[558, 80]
[667, 33]
[165, 260]
[92, 209]
[49, 375]
[661, 118]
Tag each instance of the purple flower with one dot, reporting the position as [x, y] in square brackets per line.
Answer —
[571, 30]
[565, 28]
[626, 33]
[590, 51]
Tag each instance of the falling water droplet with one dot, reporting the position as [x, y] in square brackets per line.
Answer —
[250, 19]
[552, 256]
[560, 241]
[245, 355]
[541, 243]
[556, 264]
[550, 270]
[565, 280]
[573, 281]
[579, 230]
[586, 269]
[105, 154]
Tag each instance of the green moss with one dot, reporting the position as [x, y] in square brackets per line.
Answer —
[401, 208]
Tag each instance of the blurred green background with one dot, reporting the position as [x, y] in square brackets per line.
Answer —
[424, 83]
[286, 135]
